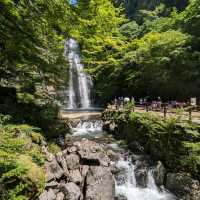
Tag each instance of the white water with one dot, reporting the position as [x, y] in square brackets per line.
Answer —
[132, 192]
[79, 81]
[128, 188]
[88, 127]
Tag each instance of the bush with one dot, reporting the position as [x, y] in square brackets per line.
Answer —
[21, 160]
[172, 140]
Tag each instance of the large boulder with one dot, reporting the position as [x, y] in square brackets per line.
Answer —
[72, 161]
[91, 154]
[60, 196]
[159, 174]
[53, 170]
[100, 184]
[47, 195]
[75, 176]
[60, 156]
[141, 173]
[71, 191]
[183, 186]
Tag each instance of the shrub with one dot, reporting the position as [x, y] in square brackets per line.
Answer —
[21, 160]
[172, 140]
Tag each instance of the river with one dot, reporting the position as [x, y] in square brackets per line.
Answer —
[125, 182]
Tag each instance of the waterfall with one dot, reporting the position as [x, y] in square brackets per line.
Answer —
[79, 81]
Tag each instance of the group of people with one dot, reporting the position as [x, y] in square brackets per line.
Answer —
[149, 104]
[120, 102]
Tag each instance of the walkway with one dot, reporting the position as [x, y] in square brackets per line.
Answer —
[81, 114]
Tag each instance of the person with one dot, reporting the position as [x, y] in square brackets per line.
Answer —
[141, 101]
[126, 100]
[115, 103]
[159, 103]
[133, 100]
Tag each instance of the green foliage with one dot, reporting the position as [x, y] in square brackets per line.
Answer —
[171, 140]
[53, 147]
[21, 160]
[156, 54]
[32, 35]
[131, 30]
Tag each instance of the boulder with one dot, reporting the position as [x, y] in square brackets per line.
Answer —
[106, 126]
[121, 197]
[51, 195]
[183, 186]
[52, 184]
[53, 170]
[141, 157]
[71, 191]
[100, 184]
[43, 196]
[60, 196]
[121, 176]
[159, 173]
[72, 161]
[60, 156]
[68, 139]
[141, 174]
[92, 154]
[75, 176]
[47, 195]
[84, 170]
[112, 155]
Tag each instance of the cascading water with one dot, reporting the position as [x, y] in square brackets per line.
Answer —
[88, 127]
[79, 81]
[127, 184]
[129, 189]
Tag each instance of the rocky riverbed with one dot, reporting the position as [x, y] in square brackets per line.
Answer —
[94, 166]
[81, 171]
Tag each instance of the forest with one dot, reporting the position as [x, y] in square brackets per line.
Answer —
[140, 48]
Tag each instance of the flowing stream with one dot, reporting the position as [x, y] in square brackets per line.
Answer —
[126, 185]
[79, 81]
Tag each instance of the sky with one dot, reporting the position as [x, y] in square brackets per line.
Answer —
[73, 2]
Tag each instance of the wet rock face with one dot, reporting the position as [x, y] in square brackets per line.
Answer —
[82, 171]
[183, 186]
[159, 174]
[121, 197]
[99, 184]
[141, 173]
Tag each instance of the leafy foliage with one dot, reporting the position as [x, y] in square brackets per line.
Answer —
[32, 37]
[156, 53]
[21, 161]
[171, 140]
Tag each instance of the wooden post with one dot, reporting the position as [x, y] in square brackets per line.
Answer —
[147, 108]
[165, 111]
[190, 114]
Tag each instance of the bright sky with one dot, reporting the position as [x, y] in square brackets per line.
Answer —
[73, 2]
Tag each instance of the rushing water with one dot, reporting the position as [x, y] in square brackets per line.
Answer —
[79, 81]
[127, 188]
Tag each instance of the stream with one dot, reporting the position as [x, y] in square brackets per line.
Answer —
[125, 183]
